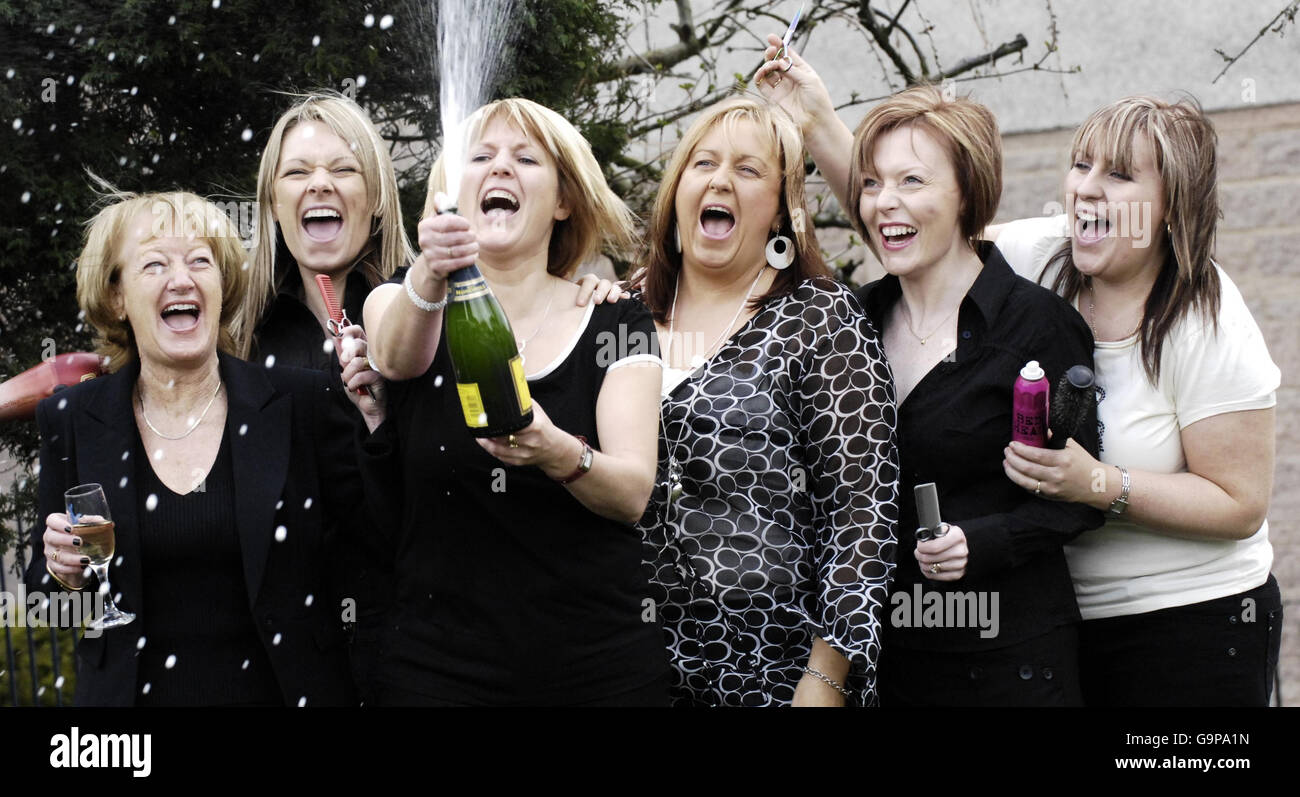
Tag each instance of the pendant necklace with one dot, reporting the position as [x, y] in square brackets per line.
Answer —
[524, 344]
[674, 482]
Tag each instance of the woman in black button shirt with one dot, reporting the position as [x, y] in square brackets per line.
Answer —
[327, 204]
[984, 615]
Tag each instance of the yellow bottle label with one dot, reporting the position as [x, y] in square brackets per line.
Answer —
[464, 291]
[521, 384]
[472, 404]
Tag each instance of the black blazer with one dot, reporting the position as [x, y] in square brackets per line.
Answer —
[289, 442]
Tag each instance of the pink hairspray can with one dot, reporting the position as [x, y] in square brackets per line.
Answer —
[1029, 406]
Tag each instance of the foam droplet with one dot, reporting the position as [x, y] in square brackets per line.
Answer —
[368, 22]
[309, 600]
[144, 690]
[306, 504]
[275, 640]
[315, 41]
[247, 135]
[244, 666]
[63, 403]
[122, 482]
[171, 661]
[151, 503]
[280, 533]
[270, 358]
[243, 429]
[386, 22]
[302, 701]
[139, 644]
[437, 381]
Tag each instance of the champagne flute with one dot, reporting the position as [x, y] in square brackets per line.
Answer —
[91, 521]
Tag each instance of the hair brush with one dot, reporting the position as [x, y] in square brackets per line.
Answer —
[1073, 397]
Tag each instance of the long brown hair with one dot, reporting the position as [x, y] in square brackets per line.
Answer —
[662, 262]
[1183, 142]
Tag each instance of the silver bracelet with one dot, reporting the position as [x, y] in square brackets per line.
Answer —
[1118, 506]
[837, 685]
[418, 301]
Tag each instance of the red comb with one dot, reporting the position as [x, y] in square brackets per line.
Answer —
[337, 319]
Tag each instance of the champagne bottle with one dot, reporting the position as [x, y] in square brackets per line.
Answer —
[489, 371]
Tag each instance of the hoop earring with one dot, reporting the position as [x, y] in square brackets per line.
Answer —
[780, 252]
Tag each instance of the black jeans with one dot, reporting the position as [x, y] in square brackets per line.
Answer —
[1221, 652]
[1042, 671]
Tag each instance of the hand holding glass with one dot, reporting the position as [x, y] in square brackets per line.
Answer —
[91, 521]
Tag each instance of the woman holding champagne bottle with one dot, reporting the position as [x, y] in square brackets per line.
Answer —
[226, 479]
[518, 570]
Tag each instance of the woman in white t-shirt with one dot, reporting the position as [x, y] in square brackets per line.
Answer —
[1175, 591]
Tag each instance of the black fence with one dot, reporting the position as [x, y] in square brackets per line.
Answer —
[37, 668]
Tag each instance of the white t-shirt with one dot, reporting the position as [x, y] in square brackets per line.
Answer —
[1123, 568]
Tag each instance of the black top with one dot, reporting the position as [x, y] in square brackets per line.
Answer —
[289, 329]
[294, 459]
[200, 643]
[508, 589]
[290, 332]
[951, 430]
[784, 530]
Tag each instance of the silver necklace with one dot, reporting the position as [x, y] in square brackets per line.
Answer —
[908, 322]
[1092, 316]
[674, 483]
[524, 344]
[193, 424]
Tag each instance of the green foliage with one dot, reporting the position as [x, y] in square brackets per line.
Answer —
[47, 684]
[155, 95]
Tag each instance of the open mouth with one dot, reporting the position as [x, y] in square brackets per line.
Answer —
[181, 316]
[322, 224]
[498, 203]
[717, 221]
[897, 236]
[1089, 227]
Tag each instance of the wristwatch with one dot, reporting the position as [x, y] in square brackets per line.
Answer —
[584, 463]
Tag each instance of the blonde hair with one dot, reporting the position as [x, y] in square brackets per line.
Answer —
[388, 248]
[99, 267]
[968, 132]
[1183, 143]
[597, 219]
[779, 132]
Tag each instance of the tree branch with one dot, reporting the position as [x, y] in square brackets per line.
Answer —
[867, 17]
[690, 44]
[1001, 51]
[1289, 12]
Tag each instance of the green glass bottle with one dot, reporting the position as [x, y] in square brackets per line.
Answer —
[489, 371]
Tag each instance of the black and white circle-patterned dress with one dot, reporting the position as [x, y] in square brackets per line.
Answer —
[784, 528]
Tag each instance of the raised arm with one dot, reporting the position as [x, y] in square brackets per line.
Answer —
[795, 86]
[403, 335]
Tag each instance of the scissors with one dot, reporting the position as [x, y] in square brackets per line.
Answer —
[789, 34]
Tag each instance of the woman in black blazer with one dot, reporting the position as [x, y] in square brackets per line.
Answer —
[226, 480]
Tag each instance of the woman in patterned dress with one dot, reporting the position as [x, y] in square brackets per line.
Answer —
[771, 529]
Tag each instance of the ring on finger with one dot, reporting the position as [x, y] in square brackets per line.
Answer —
[513, 441]
[451, 252]
[56, 556]
[936, 568]
[1038, 488]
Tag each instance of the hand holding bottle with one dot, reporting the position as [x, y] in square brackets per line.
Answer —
[540, 443]
[446, 243]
